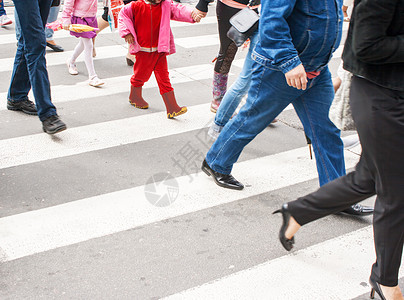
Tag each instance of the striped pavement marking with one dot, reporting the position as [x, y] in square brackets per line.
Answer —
[121, 84]
[100, 136]
[105, 52]
[317, 272]
[49, 228]
[10, 38]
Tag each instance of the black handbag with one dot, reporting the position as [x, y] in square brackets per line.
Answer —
[243, 25]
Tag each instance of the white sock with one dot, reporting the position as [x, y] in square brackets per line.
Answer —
[88, 57]
[77, 51]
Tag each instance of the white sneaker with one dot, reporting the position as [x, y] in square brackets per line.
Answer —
[72, 68]
[350, 141]
[95, 81]
[214, 131]
[4, 20]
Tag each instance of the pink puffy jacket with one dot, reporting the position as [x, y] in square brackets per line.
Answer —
[78, 8]
[169, 11]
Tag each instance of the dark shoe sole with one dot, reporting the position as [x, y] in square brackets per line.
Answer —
[220, 184]
[356, 214]
[55, 48]
[24, 111]
[129, 62]
[57, 130]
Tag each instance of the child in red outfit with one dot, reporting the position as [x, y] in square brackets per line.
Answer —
[145, 25]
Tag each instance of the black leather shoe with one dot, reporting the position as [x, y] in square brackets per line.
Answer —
[53, 125]
[375, 288]
[359, 210]
[223, 180]
[55, 48]
[26, 106]
[129, 62]
[286, 243]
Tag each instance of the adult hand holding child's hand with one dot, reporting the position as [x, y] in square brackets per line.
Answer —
[197, 15]
[129, 38]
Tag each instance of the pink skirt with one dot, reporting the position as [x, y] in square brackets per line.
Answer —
[90, 21]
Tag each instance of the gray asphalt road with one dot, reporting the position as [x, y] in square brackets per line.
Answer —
[76, 219]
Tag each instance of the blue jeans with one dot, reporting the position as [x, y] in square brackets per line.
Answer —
[238, 89]
[2, 10]
[17, 26]
[268, 96]
[53, 15]
[30, 64]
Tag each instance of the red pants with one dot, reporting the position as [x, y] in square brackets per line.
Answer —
[145, 64]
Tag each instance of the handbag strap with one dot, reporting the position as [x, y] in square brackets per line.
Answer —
[238, 5]
[251, 2]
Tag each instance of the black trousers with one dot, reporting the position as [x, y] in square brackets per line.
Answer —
[228, 48]
[379, 117]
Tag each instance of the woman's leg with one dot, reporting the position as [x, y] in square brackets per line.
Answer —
[53, 15]
[226, 54]
[102, 22]
[379, 117]
[238, 90]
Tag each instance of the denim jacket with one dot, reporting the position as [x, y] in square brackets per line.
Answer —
[294, 32]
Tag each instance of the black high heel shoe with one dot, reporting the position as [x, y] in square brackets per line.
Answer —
[286, 243]
[375, 288]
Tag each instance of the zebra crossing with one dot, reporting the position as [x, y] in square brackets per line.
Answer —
[116, 207]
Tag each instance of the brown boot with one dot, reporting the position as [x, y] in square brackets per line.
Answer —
[172, 107]
[136, 99]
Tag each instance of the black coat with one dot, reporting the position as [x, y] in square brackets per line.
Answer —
[55, 3]
[374, 48]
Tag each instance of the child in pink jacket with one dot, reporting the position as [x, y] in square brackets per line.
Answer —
[82, 12]
[145, 25]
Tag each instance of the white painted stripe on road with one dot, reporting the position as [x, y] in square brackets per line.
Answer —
[198, 41]
[116, 85]
[10, 38]
[204, 21]
[99, 136]
[105, 52]
[45, 229]
[317, 272]
[60, 58]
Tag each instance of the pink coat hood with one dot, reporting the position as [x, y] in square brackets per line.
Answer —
[169, 11]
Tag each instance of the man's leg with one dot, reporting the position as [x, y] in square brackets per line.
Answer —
[32, 16]
[312, 108]
[268, 95]
[2, 10]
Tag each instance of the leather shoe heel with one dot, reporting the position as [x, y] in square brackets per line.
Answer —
[286, 243]
[222, 180]
[375, 288]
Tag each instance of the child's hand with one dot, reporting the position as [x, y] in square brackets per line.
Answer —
[197, 15]
[66, 26]
[129, 38]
